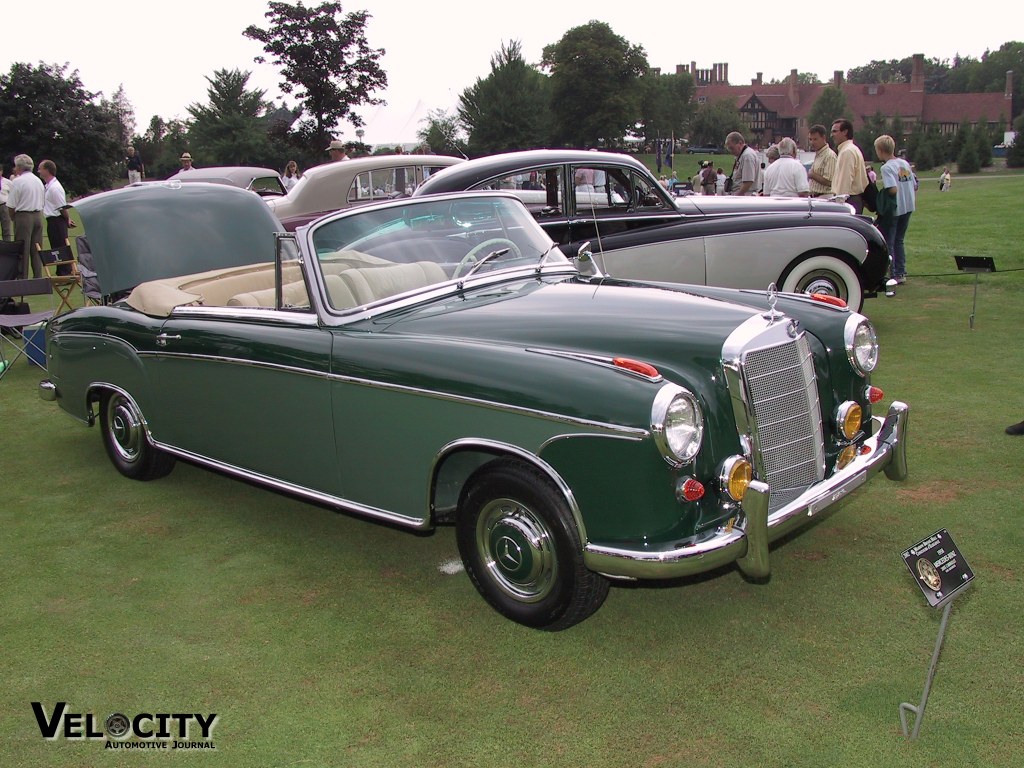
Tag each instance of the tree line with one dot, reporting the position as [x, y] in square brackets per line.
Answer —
[591, 88]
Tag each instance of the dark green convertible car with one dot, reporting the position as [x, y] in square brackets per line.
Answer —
[439, 360]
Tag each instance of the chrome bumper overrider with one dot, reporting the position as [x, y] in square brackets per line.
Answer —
[47, 390]
[747, 543]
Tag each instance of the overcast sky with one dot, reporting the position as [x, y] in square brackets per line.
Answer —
[163, 52]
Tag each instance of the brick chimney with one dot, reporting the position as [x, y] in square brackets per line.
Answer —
[1008, 93]
[725, 74]
[837, 78]
[794, 89]
[756, 80]
[917, 74]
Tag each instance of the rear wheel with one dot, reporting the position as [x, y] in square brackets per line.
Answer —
[522, 551]
[829, 275]
[126, 440]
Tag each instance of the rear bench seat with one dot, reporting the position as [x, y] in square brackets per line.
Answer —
[350, 288]
[253, 286]
[214, 288]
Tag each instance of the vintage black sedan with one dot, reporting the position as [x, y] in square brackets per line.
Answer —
[438, 359]
[638, 230]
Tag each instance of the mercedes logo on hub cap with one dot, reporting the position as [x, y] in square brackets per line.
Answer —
[508, 553]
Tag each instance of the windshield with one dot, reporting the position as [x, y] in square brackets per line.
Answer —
[376, 253]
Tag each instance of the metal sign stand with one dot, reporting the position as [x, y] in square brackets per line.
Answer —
[919, 710]
[977, 265]
[942, 573]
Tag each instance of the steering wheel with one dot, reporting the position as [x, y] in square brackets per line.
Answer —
[482, 249]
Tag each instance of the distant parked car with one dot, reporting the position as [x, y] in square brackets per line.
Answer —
[704, 149]
[638, 231]
[265, 182]
[334, 186]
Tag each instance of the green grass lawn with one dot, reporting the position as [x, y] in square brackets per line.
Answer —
[324, 640]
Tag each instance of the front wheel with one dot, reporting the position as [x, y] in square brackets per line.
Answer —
[126, 440]
[522, 551]
[828, 275]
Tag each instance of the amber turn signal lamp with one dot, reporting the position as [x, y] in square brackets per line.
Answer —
[735, 477]
[849, 417]
[644, 369]
[848, 454]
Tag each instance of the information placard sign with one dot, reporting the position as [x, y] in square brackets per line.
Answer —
[938, 568]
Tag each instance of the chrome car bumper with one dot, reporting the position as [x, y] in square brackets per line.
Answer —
[748, 546]
[47, 390]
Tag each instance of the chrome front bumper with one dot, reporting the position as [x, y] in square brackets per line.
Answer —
[747, 546]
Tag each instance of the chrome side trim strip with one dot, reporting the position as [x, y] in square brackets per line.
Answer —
[300, 317]
[235, 361]
[408, 521]
[605, 362]
[616, 429]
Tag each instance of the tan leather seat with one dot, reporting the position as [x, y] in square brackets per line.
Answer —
[292, 295]
[374, 283]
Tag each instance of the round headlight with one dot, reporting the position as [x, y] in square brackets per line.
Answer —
[861, 344]
[677, 424]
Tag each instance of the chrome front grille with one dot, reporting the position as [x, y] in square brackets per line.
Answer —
[782, 396]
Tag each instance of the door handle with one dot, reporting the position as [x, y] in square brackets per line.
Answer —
[163, 338]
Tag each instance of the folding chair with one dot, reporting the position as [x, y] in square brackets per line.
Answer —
[87, 271]
[16, 325]
[62, 271]
[10, 259]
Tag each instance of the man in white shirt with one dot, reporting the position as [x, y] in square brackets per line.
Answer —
[186, 162]
[337, 151]
[25, 203]
[850, 177]
[786, 177]
[55, 205]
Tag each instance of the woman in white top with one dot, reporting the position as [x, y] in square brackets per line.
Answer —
[291, 175]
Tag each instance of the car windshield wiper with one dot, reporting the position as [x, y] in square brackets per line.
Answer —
[489, 257]
[544, 256]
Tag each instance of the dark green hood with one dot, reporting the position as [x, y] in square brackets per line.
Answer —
[678, 332]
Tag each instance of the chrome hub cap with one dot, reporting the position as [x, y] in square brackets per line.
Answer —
[125, 428]
[821, 283]
[517, 549]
